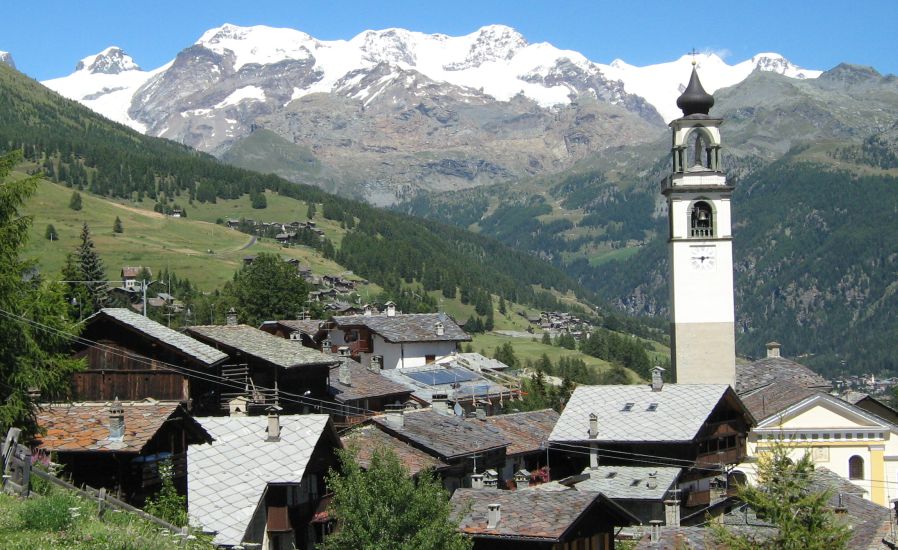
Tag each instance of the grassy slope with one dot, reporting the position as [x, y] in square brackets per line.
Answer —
[154, 240]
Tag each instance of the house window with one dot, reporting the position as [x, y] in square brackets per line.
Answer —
[430, 359]
[855, 467]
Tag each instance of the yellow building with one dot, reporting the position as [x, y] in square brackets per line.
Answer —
[851, 442]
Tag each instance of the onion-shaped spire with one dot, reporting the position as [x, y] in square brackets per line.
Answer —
[694, 99]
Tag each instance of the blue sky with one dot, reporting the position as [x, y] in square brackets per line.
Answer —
[47, 38]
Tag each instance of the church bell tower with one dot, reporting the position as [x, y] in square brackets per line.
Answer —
[702, 328]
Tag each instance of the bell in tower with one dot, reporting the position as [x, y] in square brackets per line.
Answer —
[703, 348]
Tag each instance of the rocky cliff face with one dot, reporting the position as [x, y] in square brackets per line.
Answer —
[6, 57]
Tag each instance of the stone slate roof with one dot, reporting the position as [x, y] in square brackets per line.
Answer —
[407, 327]
[629, 482]
[775, 398]
[364, 440]
[772, 370]
[527, 431]
[160, 333]
[228, 477]
[445, 436]
[530, 515]
[364, 383]
[681, 411]
[253, 342]
[305, 326]
[84, 427]
[870, 522]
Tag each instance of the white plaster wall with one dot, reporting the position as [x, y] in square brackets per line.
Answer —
[679, 210]
[702, 296]
[414, 353]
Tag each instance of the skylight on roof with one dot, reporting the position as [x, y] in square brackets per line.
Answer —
[628, 407]
[610, 475]
[635, 482]
[652, 407]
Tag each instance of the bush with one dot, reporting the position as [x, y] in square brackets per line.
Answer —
[49, 513]
[167, 504]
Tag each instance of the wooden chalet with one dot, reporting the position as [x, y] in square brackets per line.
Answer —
[524, 520]
[266, 369]
[131, 357]
[119, 446]
[360, 392]
[701, 428]
[303, 330]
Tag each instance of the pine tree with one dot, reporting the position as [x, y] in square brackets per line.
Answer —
[93, 272]
[50, 233]
[75, 201]
[117, 226]
[784, 497]
[33, 352]
[310, 213]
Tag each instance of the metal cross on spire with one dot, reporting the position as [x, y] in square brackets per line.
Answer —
[693, 53]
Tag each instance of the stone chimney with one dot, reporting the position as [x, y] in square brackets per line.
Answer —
[395, 416]
[773, 349]
[377, 362]
[480, 411]
[274, 424]
[657, 378]
[231, 317]
[326, 346]
[652, 482]
[368, 310]
[440, 403]
[491, 479]
[116, 421]
[439, 328]
[237, 406]
[343, 351]
[476, 481]
[391, 309]
[656, 530]
[493, 516]
[344, 374]
[522, 479]
[593, 434]
[672, 512]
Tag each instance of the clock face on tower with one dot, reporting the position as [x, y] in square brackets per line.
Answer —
[703, 258]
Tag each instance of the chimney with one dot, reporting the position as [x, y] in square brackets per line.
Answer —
[480, 411]
[344, 375]
[657, 378]
[672, 512]
[237, 406]
[367, 310]
[439, 328]
[841, 510]
[773, 349]
[522, 479]
[652, 482]
[274, 424]
[391, 309]
[326, 346]
[395, 416]
[377, 362]
[491, 479]
[656, 530]
[343, 351]
[593, 434]
[493, 516]
[476, 481]
[231, 317]
[116, 421]
[440, 403]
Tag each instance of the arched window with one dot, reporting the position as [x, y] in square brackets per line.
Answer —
[855, 467]
[701, 220]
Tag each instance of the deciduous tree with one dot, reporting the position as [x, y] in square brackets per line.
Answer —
[267, 289]
[384, 508]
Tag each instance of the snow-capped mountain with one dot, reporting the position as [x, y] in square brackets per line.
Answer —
[661, 84]
[487, 105]
[105, 82]
[6, 57]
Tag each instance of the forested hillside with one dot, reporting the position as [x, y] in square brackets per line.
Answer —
[78, 148]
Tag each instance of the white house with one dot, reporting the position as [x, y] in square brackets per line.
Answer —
[395, 340]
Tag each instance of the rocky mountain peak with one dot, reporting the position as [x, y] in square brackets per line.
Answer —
[6, 57]
[850, 74]
[393, 46]
[112, 60]
[491, 43]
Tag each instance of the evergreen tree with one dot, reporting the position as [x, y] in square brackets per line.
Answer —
[546, 339]
[383, 507]
[117, 226]
[92, 272]
[505, 353]
[268, 288]
[502, 308]
[33, 353]
[50, 233]
[784, 497]
[310, 213]
[75, 201]
[258, 201]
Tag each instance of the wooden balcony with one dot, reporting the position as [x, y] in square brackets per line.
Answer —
[723, 456]
[359, 346]
[698, 498]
